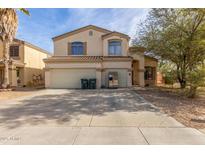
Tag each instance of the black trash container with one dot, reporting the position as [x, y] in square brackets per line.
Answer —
[84, 84]
[92, 83]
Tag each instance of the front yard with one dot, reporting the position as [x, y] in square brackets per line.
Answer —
[16, 93]
[190, 112]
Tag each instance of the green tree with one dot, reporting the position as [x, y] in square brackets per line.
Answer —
[175, 35]
[196, 79]
[8, 28]
[169, 72]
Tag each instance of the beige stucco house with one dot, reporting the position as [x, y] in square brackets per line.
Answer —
[95, 52]
[26, 64]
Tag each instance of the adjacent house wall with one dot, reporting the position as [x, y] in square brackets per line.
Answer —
[94, 43]
[34, 65]
[18, 61]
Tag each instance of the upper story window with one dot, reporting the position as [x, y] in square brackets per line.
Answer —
[14, 51]
[115, 47]
[77, 48]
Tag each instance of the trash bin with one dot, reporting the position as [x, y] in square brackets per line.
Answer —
[84, 84]
[92, 83]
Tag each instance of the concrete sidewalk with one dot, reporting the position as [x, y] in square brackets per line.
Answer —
[101, 135]
[117, 116]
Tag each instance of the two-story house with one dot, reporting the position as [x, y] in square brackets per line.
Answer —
[26, 63]
[93, 52]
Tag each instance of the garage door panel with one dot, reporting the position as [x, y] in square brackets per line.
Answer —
[70, 78]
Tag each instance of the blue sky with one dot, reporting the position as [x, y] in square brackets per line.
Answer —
[43, 24]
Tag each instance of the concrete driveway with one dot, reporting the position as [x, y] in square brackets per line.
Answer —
[118, 116]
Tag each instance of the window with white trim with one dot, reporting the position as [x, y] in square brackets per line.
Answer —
[114, 47]
[77, 48]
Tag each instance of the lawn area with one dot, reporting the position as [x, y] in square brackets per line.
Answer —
[190, 112]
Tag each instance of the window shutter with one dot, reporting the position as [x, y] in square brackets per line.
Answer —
[85, 48]
[69, 48]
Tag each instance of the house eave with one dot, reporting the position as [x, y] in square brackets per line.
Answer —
[76, 31]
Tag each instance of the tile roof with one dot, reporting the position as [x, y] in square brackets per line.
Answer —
[75, 58]
[86, 58]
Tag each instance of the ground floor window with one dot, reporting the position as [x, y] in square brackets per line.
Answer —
[149, 73]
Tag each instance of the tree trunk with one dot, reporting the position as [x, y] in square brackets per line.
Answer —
[192, 92]
[181, 79]
[6, 65]
[182, 84]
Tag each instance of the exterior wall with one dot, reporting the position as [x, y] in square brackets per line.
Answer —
[34, 64]
[150, 62]
[139, 56]
[94, 43]
[125, 45]
[117, 64]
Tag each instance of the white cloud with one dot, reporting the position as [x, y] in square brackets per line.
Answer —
[40, 29]
[122, 20]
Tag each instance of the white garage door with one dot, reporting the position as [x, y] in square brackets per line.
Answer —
[70, 78]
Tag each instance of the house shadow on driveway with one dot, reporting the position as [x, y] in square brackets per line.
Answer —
[63, 108]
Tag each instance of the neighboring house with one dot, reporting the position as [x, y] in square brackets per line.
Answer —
[94, 52]
[26, 64]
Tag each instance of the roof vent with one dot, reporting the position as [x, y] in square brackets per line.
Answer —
[91, 33]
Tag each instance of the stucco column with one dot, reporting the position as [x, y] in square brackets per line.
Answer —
[141, 71]
[13, 78]
[47, 78]
[98, 78]
[129, 78]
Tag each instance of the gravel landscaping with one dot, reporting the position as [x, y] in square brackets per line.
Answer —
[190, 112]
